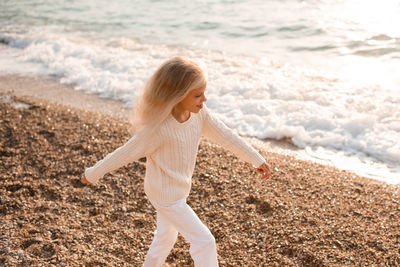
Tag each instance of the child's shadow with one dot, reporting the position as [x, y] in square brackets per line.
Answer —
[76, 183]
[262, 207]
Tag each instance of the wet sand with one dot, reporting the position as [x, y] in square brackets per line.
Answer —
[49, 88]
[305, 215]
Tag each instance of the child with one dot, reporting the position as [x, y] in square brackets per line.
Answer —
[169, 120]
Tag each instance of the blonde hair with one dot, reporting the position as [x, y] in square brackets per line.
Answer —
[168, 86]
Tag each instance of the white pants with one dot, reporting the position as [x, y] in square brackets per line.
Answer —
[179, 217]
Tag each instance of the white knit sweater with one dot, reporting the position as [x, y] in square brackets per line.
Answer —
[171, 154]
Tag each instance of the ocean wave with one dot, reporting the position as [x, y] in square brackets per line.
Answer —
[256, 97]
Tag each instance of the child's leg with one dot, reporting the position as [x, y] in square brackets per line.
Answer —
[202, 243]
[163, 241]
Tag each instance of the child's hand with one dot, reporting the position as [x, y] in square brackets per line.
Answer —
[84, 180]
[264, 171]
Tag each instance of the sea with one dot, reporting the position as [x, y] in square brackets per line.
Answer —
[322, 75]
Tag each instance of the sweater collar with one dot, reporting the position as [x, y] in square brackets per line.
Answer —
[174, 122]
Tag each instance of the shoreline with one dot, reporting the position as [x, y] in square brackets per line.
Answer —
[50, 89]
[306, 214]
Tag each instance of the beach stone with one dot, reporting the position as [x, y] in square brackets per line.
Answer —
[20, 254]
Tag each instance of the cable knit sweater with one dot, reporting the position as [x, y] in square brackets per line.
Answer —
[171, 154]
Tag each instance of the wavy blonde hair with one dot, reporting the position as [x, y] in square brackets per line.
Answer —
[168, 86]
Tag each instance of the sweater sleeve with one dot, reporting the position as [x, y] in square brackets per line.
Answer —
[136, 147]
[215, 130]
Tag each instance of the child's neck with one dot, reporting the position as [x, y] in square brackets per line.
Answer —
[180, 115]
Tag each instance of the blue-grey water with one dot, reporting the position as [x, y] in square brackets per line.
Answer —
[324, 74]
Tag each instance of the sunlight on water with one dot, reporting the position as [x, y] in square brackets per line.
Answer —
[370, 16]
[367, 72]
[375, 17]
[367, 35]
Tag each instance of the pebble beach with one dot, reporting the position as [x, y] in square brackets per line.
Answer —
[306, 214]
[312, 85]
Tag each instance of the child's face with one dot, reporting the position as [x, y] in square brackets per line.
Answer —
[193, 102]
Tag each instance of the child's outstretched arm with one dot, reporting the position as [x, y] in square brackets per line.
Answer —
[137, 147]
[217, 131]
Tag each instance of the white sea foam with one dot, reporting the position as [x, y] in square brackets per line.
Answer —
[317, 111]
